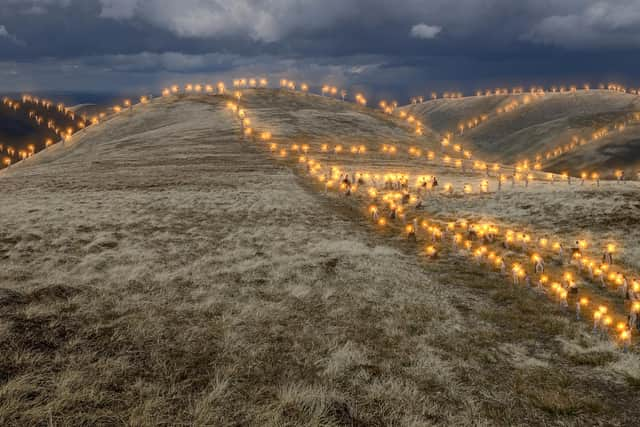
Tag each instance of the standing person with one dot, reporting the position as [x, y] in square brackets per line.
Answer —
[561, 253]
[633, 291]
[575, 250]
[573, 287]
[633, 318]
[411, 236]
[515, 275]
[438, 234]
[625, 336]
[603, 284]
[543, 279]
[563, 300]
[578, 310]
[624, 289]
[419, 203]
[405, 197]
[597, 316]
[471, 233]
[393, 212]
[490, 235]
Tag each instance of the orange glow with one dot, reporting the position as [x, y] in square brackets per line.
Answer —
[265, 136]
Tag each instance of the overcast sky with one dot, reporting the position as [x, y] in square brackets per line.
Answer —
[392, 48]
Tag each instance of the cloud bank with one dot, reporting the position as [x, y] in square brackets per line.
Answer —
[426, 44]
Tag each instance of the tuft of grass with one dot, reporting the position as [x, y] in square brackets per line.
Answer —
[593, 358]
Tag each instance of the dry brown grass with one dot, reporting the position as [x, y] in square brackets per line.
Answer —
[542, 125]
[159, 271]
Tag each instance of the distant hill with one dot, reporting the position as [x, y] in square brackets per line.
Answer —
[512, 128]
[18, 130]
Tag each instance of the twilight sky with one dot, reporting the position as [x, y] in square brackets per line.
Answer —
[391, 48]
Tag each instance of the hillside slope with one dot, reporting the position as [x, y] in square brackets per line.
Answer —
[535, 125]
[159, 268]
[19, 128]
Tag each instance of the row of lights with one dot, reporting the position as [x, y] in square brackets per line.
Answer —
[565, 89]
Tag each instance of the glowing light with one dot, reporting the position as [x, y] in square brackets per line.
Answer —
[265, 136]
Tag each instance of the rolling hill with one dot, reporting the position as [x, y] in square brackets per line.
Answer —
[28, 125]
[167, 266]
[531, 125]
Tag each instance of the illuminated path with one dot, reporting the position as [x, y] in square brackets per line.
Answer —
[286, 128]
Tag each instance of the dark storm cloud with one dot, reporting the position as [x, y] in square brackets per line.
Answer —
[405, 45]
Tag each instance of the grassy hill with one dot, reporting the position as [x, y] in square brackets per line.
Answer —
[530, 125]
[160, 268]
[18, 130]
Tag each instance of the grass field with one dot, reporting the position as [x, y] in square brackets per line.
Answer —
[538, 124]
[158, 269]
